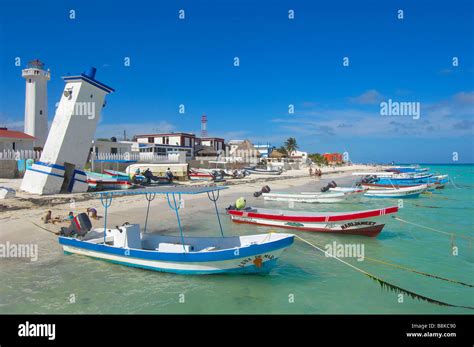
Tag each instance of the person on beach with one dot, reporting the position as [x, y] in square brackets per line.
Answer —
[47, 218]
[169, 175]
[70, 216]
[92, 212]
[310, 171]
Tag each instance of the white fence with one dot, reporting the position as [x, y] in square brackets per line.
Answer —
[144, 157]
[20, 155]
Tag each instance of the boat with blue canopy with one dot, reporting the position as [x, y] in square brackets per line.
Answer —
[129, 245]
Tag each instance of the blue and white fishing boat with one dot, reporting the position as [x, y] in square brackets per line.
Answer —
[129, 245]
[389, 179]
[397, 192]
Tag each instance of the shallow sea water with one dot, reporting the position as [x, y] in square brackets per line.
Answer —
[304, 280]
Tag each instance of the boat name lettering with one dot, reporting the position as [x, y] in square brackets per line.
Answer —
[353, 224]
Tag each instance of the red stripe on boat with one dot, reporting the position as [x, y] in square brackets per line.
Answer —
[331, 218]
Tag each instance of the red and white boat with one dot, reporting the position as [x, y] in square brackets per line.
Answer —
[198, 175]
[366, 223]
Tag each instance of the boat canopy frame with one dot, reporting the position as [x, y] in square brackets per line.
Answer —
[106, 198]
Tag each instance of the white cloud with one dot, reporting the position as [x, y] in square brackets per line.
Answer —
[370, 97]
[450, 117]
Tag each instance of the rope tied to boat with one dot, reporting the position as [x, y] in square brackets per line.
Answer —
[433, 229]
[384, 284]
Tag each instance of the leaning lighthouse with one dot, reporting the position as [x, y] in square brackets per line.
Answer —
[61, 166]
[36, 104]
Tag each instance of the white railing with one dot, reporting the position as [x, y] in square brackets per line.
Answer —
[20, 155]
[143, 157]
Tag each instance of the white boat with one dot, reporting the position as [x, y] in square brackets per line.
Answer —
[268, 171]
[334, 195]
[105, 182]
[397, 192]
[128, 245]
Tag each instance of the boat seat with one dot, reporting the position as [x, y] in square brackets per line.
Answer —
[207, 249]
[174, 247]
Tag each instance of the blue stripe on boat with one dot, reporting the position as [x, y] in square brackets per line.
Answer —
[54, 166]
[228, 254]
[266, 267]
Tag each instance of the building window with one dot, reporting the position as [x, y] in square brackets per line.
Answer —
[29, 81]
[14, 145]
[113, 150]
[41, 112]
[151, 140]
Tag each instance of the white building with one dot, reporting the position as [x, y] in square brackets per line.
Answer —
[299, 155]
[164, 144]
[216, 143]
[111, 147]
[36, 104]
[11, 140]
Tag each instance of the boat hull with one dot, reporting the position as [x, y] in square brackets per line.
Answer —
[263, 172]
[402, 192]
[327, 197]
[363, 223]
[249, 260]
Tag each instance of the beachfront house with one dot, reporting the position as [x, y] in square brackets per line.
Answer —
[164, 144]
[111, 146]
[11, 140]
[333, 158]
[300, 156]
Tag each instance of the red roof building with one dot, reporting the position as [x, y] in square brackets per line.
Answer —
[15, 140]
[333, 158]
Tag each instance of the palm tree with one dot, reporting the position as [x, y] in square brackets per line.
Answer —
[290, 145]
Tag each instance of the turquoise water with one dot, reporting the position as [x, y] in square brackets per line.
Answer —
[304, 281]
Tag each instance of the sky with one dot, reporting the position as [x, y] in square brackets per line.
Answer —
[283, 62]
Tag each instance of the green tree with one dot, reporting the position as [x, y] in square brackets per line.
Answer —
[318, 159]
[290, 145]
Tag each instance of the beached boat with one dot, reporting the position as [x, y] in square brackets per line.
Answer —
[397, 192]
[128, 245]
[333, 195]
[257, 171]
[198, 175]
[364, 223]
[124, 175]
[99, 181]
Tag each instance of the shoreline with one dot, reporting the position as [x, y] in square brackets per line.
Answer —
[22, 222]
[24, 200]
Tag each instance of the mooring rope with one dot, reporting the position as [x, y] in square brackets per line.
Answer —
[39, 226]
[433, 229]
[454, 184]
[384, 284]
[419, 272]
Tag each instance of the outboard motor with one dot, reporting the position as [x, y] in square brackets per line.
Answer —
[80, 226]
[265, 189]
[331, 184]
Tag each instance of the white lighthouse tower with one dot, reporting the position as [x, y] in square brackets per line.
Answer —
[36, 103]
[67, 147]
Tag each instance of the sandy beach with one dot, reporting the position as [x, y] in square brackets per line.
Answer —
[21, 216]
